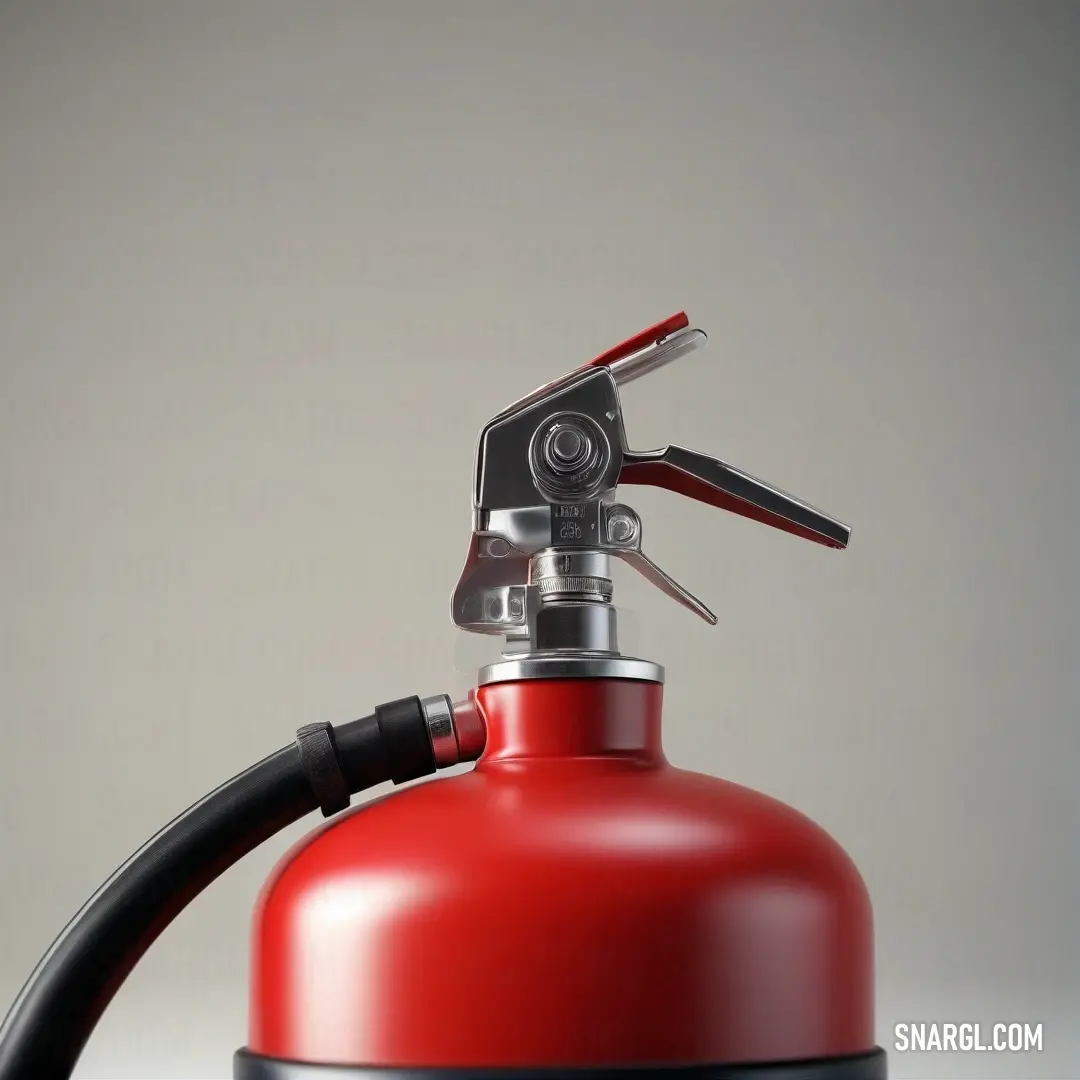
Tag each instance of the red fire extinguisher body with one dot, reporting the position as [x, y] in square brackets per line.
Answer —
[573, 901]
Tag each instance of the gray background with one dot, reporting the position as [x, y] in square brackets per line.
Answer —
[266, 269]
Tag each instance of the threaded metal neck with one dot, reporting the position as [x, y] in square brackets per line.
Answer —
[575, 612]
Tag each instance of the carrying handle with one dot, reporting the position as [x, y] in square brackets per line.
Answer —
[712, 481]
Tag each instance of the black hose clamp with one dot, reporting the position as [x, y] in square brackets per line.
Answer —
[319, 760]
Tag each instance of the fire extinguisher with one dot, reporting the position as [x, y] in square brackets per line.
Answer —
[573, 907]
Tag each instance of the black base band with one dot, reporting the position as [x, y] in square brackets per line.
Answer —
[872, 1066]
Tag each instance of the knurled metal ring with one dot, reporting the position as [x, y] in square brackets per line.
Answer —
[587, 588]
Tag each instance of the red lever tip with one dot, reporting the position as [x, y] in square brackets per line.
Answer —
[669, 326]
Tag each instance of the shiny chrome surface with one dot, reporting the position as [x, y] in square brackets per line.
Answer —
[439, 714]
[547, 468]
[570, 665]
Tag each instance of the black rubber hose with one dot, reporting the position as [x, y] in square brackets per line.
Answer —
[55, 1013]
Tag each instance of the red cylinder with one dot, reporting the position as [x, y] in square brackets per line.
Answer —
[574, 900]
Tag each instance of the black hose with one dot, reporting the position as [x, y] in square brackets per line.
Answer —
[52, 1018]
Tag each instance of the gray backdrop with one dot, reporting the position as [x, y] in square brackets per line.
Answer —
[267, 268]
